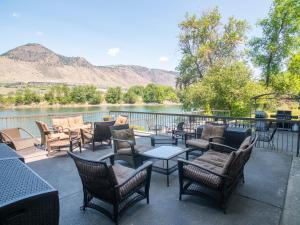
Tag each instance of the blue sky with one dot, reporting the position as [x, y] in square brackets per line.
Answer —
[110, 32]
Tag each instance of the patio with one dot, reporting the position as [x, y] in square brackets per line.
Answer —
[259, 201]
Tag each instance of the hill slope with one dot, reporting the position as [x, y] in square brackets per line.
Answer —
[36, 63]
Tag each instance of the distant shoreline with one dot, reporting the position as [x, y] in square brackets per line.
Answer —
[45, 105]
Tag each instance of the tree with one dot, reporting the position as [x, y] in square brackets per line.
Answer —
[96, 98]
[205, 41]
[130, 97]
[153, 94]
[78, 94]
[19, 98]
[286, 83]
[113, 95]
[226, 87]
[294, 64]
[280, 37]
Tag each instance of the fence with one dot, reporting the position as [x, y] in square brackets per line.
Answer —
[276, 135]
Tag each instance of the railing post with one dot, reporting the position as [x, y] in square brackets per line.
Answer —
[298, 141]
[156, 127]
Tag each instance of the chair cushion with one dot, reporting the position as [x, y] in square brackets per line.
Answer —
[75, 121]
[121, 173]
[125, 134]
[246, 143]
[60, 136]
[137, 149]
[210, 130]
[200, 143]
[202, 176]
[23, 143]
[121, 120]
[228, 163]
[13, 133]
[63, 122]
[212, 159]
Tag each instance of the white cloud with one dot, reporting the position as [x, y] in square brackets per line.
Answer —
[15, 14]
[163, 59]
[39, 33]
[113, 51]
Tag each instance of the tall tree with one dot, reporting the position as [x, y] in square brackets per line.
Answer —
[204, 41]
[280, 37]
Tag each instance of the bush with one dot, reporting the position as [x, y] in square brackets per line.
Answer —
[130, 97]
[113, 95]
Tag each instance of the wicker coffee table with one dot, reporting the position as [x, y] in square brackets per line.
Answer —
[166, 154]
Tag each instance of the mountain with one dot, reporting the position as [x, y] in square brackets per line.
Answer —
[36, 63]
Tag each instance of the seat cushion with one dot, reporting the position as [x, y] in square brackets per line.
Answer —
[210, 130]
[122, 173]
[137, 149]
[23, 143]
[246, 143]
[212, 159]
[202, 176]
[60, 136]
[199, 143]
[124, 134]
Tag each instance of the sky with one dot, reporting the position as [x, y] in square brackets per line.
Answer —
[136, 32]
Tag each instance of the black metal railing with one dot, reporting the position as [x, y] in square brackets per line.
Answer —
[276, 135]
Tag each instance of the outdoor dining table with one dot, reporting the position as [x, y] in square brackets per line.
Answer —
[7, 152]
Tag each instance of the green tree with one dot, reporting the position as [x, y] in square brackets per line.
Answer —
[113, 95]
[280, 37]
[19, 98]
[205, 41]
[96, 98]
[130, 97]
[226, 87]
[137, 89]
[294, 64]
[78, 94]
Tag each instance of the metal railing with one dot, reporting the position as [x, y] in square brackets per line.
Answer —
[276, 135]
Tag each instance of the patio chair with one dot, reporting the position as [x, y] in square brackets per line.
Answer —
[125, 147]
[216, 173]
[100, 133]
[14, 137]
[114, 184]
[210, 133]
[267, 137]
[178, 132]
[56, 141]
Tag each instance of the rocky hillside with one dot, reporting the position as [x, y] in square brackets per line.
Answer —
[36, 63]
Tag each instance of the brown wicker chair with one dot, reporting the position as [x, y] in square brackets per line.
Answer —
[210, 133]
[14, 138]
[217, 171]
[101, 133]
[56, 141]
[125, 147]
[112, 183]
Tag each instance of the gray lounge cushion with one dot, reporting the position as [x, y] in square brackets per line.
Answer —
[202, 176]
[121, 173]
[124, 134]
[210, 130]
[199, 143]
[137, 149]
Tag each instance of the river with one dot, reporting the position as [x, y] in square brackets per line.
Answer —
[104, 108]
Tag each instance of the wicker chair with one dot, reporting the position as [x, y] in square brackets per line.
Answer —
[100, 133]
[125, 147]
[112, 183]
[217, 171]
[13, 138]
[210, 133]
[56, 141]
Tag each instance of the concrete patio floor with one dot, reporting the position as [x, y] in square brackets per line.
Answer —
[259, 201]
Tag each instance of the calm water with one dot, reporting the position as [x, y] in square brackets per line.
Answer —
[136, 108]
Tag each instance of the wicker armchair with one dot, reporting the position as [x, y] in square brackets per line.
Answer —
[217, 171]
[14, 138]
[100, 133]
[112, 183]
[125, 147]
[56, 141]
[210, 133]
